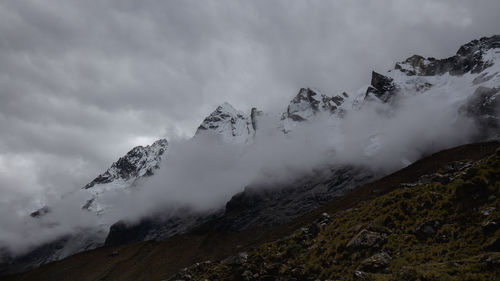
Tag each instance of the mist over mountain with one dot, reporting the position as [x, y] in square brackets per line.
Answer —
[421, 106]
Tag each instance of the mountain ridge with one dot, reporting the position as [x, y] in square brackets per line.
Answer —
[473, 66]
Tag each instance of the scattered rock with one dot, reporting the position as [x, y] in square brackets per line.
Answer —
[360, 275]
[247, 275]
[376, 263]
[237, 260]
[367, 239]
[487, 211]
[489, 226]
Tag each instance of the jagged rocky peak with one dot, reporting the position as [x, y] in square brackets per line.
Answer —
[308, 102]
[229, 124]
[382, 87]
[471, 57]
[138, 162]
[418, 74]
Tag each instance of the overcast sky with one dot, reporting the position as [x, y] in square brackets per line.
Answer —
[82, 82]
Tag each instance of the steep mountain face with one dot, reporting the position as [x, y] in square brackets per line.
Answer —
[229, 124]
[261, 206]
[138, 163]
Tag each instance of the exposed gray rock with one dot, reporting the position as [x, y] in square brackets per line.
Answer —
[490, 226]
[307, 103]
[236, 260]
[367, 239]
[382, 87]
[376, 263]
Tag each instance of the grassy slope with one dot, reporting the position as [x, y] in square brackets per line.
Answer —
[159, 260]
[465, 207]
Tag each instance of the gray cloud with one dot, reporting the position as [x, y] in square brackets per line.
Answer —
[81, 82]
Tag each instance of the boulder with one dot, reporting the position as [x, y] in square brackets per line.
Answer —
[376, 263]
[367, 239]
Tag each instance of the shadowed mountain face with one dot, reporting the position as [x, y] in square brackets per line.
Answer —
[472, 76]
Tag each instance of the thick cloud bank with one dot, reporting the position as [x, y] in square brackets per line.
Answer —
[203, 173]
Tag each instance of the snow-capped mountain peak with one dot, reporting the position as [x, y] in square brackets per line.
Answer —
[473, 57]
[138, 163]
[231, 125]
[307, 103]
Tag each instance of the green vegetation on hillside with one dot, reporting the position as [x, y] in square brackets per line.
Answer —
[445, 226]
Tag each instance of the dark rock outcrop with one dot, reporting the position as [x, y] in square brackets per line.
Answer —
[382, 87]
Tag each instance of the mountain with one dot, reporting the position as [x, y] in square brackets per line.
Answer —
[472, 75]
[469, 80]
[397, 212]
[229, 124]
[138, 163]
